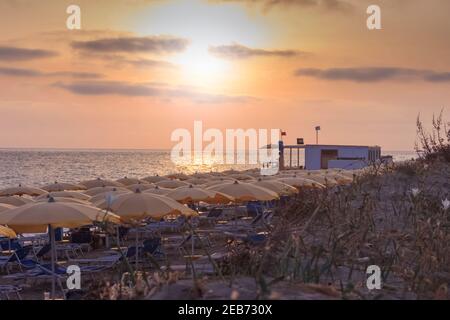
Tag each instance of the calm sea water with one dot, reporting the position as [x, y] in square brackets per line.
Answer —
[40, 167]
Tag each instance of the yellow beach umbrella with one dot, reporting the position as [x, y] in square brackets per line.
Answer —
[7, 232]
[129, 181]
[154, 179]
[65, 194]
[15, 200]
[158, 190]
[193, 194]
[89, 184]
[98, 190]
[276, 186]
[172, 184]
[62, 186]
[218, 181]
[242, 191]
[21, 190]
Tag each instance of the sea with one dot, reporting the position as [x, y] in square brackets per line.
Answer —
[38, 167]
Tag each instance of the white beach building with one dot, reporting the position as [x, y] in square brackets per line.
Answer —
[319, 156]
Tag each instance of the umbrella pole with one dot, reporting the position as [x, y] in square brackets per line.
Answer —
[118, 236]
[52, 244]
[137, 247]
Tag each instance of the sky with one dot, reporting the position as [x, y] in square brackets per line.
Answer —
[139, 69]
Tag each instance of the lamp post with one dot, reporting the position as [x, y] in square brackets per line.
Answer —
[317, 134]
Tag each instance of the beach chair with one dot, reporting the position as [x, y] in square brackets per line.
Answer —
[7, 290]
[153, 247]
[15, 258]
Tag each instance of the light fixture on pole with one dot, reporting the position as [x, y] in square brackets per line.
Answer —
[317, 134]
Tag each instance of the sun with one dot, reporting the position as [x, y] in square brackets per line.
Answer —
[200, 67]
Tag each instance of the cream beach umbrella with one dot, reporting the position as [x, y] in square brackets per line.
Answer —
[128, 181]
[197, 181]
[89, 184]
[139, 205]
[62, 186]
[40, 216]
[301, 183]
[200, 175]
[140, 186]
[21, 190]
[98, 190]
[15, 200]
[7, 232]
[108, 194]
[5, 207]
[172, 184]
[320, 178]
[154, 179]
[179, 176]
[218, 181]
[65, 194]
[63, 199]
[242, 177]
[276, 186]
[158, 190]
[193, 194]
[243, 192]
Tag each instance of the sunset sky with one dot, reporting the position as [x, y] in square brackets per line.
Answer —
[138, 69]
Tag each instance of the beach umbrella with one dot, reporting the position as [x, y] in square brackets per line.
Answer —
[218, 181]
[172, 184]
[140, 186]
[276, 186]
[15, 200]
[5, 207]
[40, 216]
[197, 181]
[230, 171]
[21, 190]
[179, 176]
[139, 205]
[154, 179]
[65, 194]
[97, 190]
[158, 190]
[7, 232]
[63, 199]
[62, 186]
[320, 178]
[105, 195]
[339, 178]
[242, 191]
[301, 183]
[89, 184]
[193, 194]
[201, 175]
[241, 177]
[128, 181]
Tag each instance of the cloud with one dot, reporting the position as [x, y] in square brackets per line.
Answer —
[102, 88]
[16, 72]
[19, 72]
[22, 54]
[237, 51]
[155, 44]
[330, 5]
[150, 63]
[374, 74]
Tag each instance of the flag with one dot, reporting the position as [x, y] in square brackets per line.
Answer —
[318, 128]
[283, 133]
